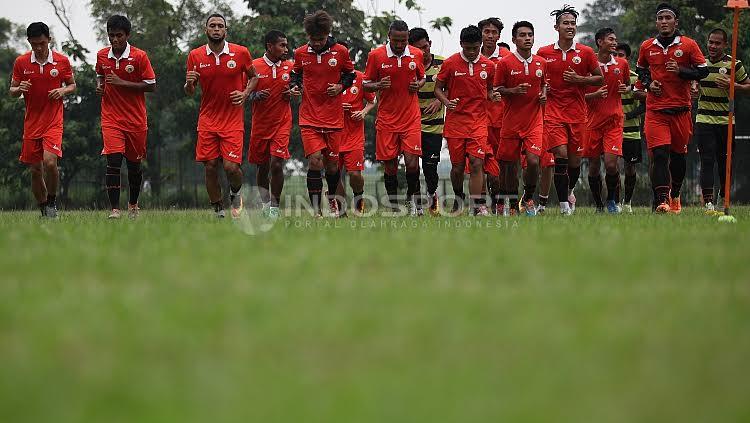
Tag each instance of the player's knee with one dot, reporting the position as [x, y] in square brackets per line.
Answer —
[277, 165]
[50, 162]
[211, 166]
[611, 167]
[390, 167]
[475, 165]
[36, 169]
[411, 164]
[532, 161]
[134, 167]
[315, 161]
[661, 155]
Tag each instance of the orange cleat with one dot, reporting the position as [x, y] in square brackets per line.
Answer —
[675, 206]
[662, 208]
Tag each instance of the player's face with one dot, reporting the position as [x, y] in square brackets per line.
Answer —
[666, 24]
[216, 29]
[621, 54]
[609, 43]
[490, 35]
[423, 45]
[716, 45]
[471, 50]
[39, 45]
[118, 39]
[279, 49]
[317, 42]
[566, 26]
[524, 39]
[398, 41]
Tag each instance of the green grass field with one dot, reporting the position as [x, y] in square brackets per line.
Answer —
[179, 317]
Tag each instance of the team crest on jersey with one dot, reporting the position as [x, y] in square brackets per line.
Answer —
[617, 71]
[723, 71]
[231, 64]
[577, 60]
[54, 72]
[539, 73]
[129, 68]
[678, 53]
[285, 77]
[332, 62]
[412, 65]
[483, 74]
[354, 90]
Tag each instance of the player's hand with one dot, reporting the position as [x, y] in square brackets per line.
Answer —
[334, 89]
[295, 91]
[433, 107]
[722, 81]
[521, 88]
[570, 76]
[543, 97]
[452, 104]
[237, 97]
[56, 94]
[695, 89]
[263, 94]
[113, 79]
[602, 92]
[24, 86]
[346, 106]
[672, 66]
[99, 88]
[413, 86]
[358, 115]
[192, 76]
[622, 88]
[495, 96]
[655, 88]
[384, 83]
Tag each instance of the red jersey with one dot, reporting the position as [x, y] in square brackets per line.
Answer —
[42, 114]
[469, 82]
[675, 91]
[496, 109]
[318, 109]
[219, 76]
[275, 112]
[603, 110]
[123, 108]
[522, 111]
[354, 130]
[567, 102]
[398, 108]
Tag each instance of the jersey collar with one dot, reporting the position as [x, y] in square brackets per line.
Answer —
[467, 60]
[270, 63]
[495, 53]
[390, 52]
[611, 62]
[674, 42]
[125, 54]
[522, 60]
[572, 47]
[50, 58]
[209, 52]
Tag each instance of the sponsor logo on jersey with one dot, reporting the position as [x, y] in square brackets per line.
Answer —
[515, 72]
[457, 73]
[232, 155]
[204, 65]
[385, 66]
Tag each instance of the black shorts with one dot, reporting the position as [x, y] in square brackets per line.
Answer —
[632, 150]
[431, 146]
[711, 140]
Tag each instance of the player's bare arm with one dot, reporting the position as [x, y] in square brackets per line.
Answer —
[59, 93]
[440, 94]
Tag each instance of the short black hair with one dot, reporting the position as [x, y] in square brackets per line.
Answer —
[398, 25]
[504, 44]
[603, 33]
[471, 34]
[343, 43]
[272, 37]
[626, 48]
[521, 24]
[417, 34]
[116, 22]
[566, 9]
[37, 29]
[318, 23]
[719, 31]
[497, 23]
[667, 6]
[216, 15]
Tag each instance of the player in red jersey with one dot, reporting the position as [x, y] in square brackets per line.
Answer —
[271, 120]
[605, 121]
[521, 80]
[463, 86]
[123, 75]
[43, 77]
[322, 71]
[396, 70]
[570, 68]
[226, 75]
[666, 66]
[491, 29]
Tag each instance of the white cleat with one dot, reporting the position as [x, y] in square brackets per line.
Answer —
[627, 208]
[114, 214]
[572, 202]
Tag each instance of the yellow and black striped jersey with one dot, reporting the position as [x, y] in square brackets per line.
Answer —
[432, 123]
[713, 103]
[632, 127]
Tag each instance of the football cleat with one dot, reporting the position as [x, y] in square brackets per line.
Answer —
[627, 208]
[133, 211]
[333, 207]
[237, 206]
[273, 213]
[662, 208]
[481, 211]
[50, 211]
[434, 205]
[527, 207]
[114, 214]
[572, 202]
[612, 207]
[675, 206]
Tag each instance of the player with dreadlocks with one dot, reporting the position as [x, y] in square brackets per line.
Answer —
[570, 68]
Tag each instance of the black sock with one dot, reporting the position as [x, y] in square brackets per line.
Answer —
[135, 179]
[431, 178]
[677, 168]
[708, 195]
[513, 200]
[51, 200]
[612, 182]
[314, 188]
[459, 200]
[543, 200]
[561, 179]
[595, 183]
[391, 188]
[573, 174]
[528, 192]
[332, 180]
[660, 180]
[356, 198]
[43, 208]
[482, 199]
[219, 205]
[629, 187]
[413, 186]
[112, 179]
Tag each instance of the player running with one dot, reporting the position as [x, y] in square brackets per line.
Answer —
[633, 107]
[712, 122]
[396, 70]
[605, 121]
[570, 68]
[123, 76]
[463, 86]
[271, 120]
[322, 71]
[43, 77]
[521, 79]
[666, 66]
[226, 75]
[433, 116]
